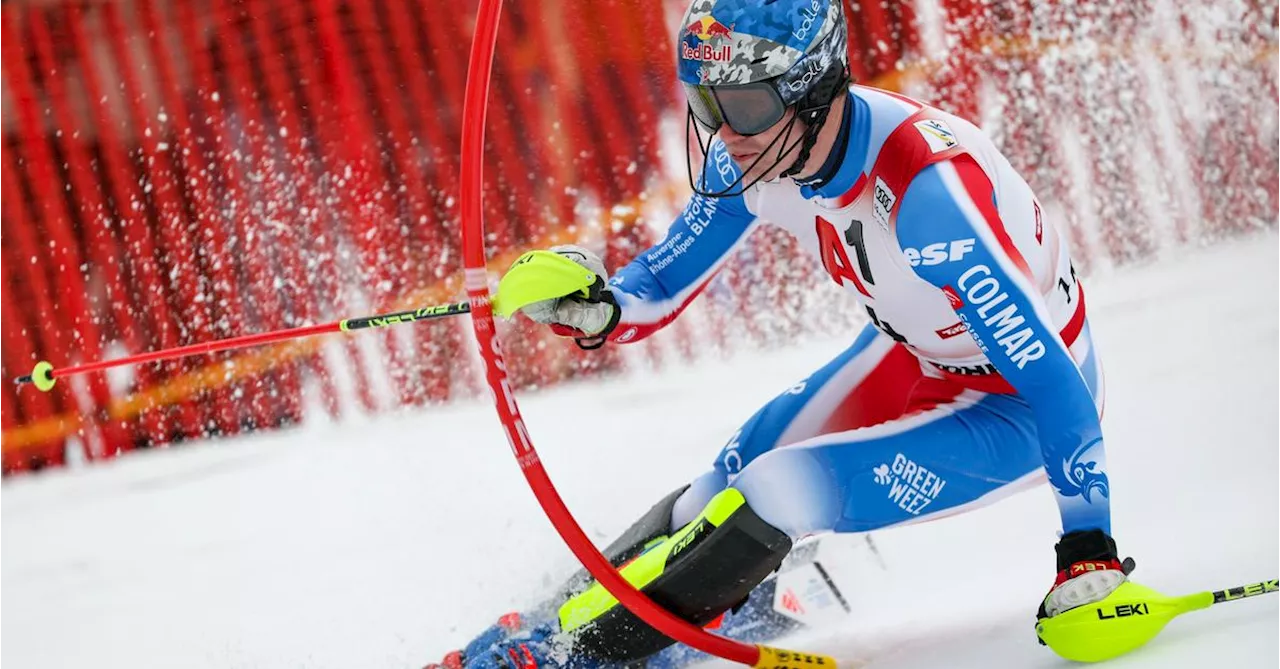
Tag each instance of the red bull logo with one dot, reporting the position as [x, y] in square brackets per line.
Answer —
[705, 29]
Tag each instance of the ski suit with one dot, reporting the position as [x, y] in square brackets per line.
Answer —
[977, 373]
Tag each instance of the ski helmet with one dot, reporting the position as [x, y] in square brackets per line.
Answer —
[743, 63]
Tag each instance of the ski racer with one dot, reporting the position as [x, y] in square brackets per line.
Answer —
[975, 376]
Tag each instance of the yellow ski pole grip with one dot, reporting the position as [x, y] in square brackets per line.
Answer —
[777, 658]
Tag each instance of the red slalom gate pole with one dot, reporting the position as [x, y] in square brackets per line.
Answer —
[477, 283]
[44, 374]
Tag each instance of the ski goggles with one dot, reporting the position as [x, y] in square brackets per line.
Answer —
[749, 109]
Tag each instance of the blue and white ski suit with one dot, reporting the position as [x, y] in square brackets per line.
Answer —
[977, 373]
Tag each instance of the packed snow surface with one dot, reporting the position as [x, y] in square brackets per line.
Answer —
[386, 541]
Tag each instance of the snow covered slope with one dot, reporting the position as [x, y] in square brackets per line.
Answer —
[386, 542]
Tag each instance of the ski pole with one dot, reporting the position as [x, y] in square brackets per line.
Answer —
[535, 276]
[1240, 592]
[1129, 618]
[44, 375]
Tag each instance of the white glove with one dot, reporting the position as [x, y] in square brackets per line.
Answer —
[587, 320]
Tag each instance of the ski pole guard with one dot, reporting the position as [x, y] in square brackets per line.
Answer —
[540, 275]
[1125, 621]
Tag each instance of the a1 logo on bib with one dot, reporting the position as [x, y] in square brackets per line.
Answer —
[937, 134]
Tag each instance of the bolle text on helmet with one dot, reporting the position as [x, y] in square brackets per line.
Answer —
[809, 14]
[813, 70]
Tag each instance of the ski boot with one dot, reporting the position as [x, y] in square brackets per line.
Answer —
[511, 643]
[698, 572]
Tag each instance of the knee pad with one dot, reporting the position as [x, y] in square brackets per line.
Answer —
[697, 573]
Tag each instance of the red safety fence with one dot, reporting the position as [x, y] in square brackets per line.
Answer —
[175, 172]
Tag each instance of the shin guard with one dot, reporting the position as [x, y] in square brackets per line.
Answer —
[698, 573]
[651, 529]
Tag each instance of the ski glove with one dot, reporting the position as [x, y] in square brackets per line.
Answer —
[1089, 570]
[588, 320]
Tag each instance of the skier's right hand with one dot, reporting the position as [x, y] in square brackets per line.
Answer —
[588, 320]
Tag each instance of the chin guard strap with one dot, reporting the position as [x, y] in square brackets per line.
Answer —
[813, 110]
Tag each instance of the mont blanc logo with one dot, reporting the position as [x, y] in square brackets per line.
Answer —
[911, 486]
[967, 370]
[937, 134]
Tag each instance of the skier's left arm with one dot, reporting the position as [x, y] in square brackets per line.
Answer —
[954, 201]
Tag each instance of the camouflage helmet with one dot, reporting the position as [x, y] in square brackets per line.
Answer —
[791, 42]
[745, 63]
